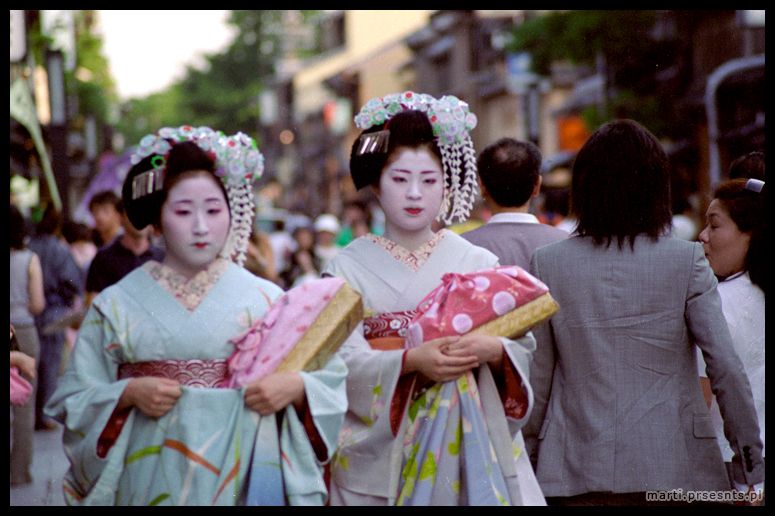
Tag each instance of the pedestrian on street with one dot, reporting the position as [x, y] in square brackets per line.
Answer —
[619, 410]
[510, 178]
[106, 211]
[128, 251]
[734, 240]
[62, 286]
[27, 300]
[423, 170]
[148, 419]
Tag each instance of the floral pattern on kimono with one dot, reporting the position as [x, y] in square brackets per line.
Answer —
[200, 452]
[368, 465]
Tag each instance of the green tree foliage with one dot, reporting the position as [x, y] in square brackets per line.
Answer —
[580, 35]
[631, 54]
[224, 93]
[144, 115]
[92, 80]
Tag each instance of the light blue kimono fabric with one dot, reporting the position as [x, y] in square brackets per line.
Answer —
[449, 456]
[204, 451]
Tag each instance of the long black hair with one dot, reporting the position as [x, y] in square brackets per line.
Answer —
[621, 185]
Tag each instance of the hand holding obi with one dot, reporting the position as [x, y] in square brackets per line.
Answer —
[470, 312]
[300, 332]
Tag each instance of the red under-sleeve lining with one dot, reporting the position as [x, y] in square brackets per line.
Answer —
[511, 389]
[400, 397]
[112, 430]
[321, 451]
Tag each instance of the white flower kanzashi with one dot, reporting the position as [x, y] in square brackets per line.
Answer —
[452, 122]
[238, 163]
[237, 158]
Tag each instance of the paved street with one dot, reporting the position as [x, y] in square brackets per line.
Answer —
[49, 465]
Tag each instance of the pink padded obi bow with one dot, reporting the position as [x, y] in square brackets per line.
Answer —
[465, 301]
[264, 345]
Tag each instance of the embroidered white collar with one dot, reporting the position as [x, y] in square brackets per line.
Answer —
[411, 259]
[189, 292]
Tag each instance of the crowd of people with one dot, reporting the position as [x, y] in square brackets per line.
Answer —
[648, 379]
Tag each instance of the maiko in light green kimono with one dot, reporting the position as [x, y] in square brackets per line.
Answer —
[200, 452]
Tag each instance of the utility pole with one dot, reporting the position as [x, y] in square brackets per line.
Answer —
[57, 129]
[526, 85]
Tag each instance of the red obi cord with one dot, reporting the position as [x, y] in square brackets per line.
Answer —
[511, 389]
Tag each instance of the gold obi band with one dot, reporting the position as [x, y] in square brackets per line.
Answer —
[190, 373]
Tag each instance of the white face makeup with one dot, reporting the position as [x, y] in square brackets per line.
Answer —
[195, 223]
[411, 189]
[724, 244]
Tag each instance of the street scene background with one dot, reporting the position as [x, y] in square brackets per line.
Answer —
[294, 80]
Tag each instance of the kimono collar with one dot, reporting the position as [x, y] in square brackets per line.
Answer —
[412, 259]
[189, 292]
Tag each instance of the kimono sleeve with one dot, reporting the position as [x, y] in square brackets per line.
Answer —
[520, 353]
[372, 375]
[327, 401]
[85, 398]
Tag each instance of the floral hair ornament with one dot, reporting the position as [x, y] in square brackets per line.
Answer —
[238, 163]
[452, 122]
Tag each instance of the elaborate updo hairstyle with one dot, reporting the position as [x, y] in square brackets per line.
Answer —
[746, 208]
[183, 160]
[410, 128]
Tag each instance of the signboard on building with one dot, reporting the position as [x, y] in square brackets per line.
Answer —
[519, 77]
[572, 132]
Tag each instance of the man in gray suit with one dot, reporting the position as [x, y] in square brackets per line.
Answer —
[619, 411]
[509, 177]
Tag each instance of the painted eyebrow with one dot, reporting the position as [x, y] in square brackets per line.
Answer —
[403, 171]
[189, 201]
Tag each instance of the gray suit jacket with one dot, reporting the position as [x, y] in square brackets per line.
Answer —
[514, 242]
[618, 404]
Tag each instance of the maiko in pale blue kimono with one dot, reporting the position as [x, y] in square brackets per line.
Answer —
[210, 446]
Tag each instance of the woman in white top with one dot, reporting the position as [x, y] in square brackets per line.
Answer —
[733, 239]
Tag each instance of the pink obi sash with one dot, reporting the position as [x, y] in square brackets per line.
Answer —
[191, 373]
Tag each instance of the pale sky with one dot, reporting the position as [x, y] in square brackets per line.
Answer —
[148, 50]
